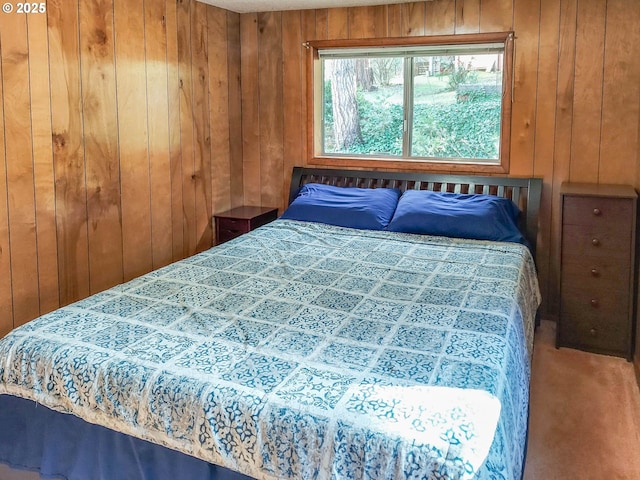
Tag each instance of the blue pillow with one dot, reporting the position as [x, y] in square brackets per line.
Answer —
[364, 208]
[475, 216]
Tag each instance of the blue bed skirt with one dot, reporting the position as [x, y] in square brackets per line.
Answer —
[35, 438]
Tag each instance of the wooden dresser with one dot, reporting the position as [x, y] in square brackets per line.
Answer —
[597, 268]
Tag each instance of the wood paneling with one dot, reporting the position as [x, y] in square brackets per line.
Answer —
[467, 16]
[157, 98]
[588, 84]
[137, 252]
[440, 17]
[104, 199]
[413, 19]
[250, 109]
[270, 86]
[292, 68]
[104, 122]
[6, 297]
[43, 162]
[235, 109]
[560, 46]
[202, 133]
[547, 79]
[619, 141]
[18, 150]
[68, 151]
[523, 114]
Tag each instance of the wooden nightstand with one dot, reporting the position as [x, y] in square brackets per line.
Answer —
[240, 220]
[597, 268]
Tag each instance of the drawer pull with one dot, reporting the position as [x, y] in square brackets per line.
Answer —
[597, 212]
[593, 332]
[595, 273]
[594, 303]
[595, 242]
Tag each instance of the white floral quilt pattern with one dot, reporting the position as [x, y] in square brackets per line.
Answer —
[304, 351]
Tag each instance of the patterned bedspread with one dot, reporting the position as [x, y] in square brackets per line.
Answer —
[304, 351]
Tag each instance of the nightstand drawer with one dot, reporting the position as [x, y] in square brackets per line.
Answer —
[238, 226]
[597, 211]
[241, 220]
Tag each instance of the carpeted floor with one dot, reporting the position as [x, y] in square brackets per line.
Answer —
[585, 415]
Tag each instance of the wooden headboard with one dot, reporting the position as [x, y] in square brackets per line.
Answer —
[524, 192]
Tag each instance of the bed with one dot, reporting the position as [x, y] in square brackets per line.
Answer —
[302, 349]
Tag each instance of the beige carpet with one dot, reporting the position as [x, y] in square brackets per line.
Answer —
[585, 415]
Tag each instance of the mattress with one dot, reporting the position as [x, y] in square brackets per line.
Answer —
[302, 350]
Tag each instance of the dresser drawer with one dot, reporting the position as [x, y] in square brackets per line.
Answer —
[592, 299]
[599, 272]
[593, 332]
[592, 241]
[597, 211]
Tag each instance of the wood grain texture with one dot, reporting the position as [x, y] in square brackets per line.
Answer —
[523, 114]
[102, 143]
[6, 293]
[413, 19]
[68, 151]
[440, 17]
[619, 137]
[219, 109]
[496, 15]
[175, 139]
[270, 86]
[588, 86]
[562, 135]
[322, 22]
[251, 140]
[367, 22]
[394, 20]
[543, 164]
[159, 149]
[189, 229]
[18, 152]
[202, 131]
[44, 185]
[293, 54]
[133, 148]
[308, 33]
[104, 200]
[338, 23]
[235, 109]
[467, 16]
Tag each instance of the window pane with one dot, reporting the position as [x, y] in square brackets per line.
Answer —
[456, 106]
[363, 106]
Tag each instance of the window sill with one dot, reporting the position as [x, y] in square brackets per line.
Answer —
[406, 165]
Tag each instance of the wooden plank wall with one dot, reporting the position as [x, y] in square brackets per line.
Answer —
[119, 137]
[576, 104]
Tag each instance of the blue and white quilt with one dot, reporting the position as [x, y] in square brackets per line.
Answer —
[304, 351]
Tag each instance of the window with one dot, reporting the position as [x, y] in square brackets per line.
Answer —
[427, 100]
